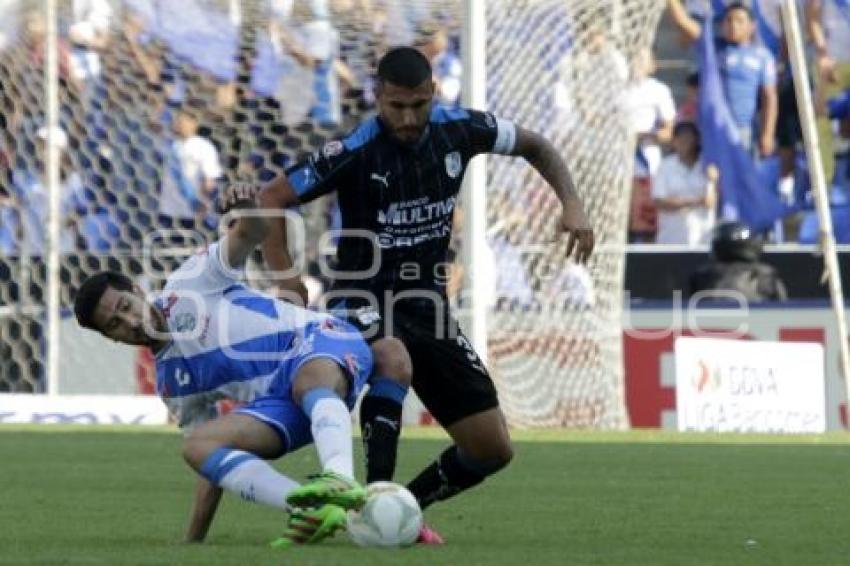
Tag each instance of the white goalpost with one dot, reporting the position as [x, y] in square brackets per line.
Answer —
[51, 95]
[805, 107]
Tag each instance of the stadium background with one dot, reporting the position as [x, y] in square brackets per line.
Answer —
[119, 494]
[261, 112]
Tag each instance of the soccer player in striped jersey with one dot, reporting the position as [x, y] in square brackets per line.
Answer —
[297, 372]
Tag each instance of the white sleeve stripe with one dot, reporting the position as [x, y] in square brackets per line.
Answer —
[505, 137]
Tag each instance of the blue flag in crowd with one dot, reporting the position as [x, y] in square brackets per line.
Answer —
[768, 36]
[741, 188]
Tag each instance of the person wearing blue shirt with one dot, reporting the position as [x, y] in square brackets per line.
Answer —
[748, 72]
[447, 66]
[838, 107]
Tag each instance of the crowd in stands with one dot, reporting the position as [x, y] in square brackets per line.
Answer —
[156, 113]
[679, 199]
[160, 103]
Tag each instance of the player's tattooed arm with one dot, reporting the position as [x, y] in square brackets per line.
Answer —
[205, 504]
[543, 156]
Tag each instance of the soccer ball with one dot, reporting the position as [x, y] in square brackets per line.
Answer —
[390, 517]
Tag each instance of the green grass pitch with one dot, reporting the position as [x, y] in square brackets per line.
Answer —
[120, 496]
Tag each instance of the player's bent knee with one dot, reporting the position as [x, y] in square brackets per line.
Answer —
[196, 449]
[392, 360]
[207, 438]
[489, 459]
[497, 460]
[320, 372]
[504, 455]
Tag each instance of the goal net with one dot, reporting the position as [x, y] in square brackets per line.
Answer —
[138, 78]
[555, 329]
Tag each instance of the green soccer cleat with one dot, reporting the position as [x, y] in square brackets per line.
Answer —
[310, 526]
[328, 487]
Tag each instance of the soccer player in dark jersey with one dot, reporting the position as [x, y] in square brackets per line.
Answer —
[397, 178]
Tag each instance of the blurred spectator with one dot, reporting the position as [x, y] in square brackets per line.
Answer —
[29, 64]
[508, 270]
[89, 35]
[315, 45]
[767, 16]
[748, 72]
[735, 267]
[828, 23]
[685, 191]
[8, 223]
[281, 9]
[10, 15]
[190, 170]
[143, 60]
[448, 70]
[600, 60]
[403, 18]
[689, 108]
[578, 111]
[28, 222]
[650, 110]
[362, 42]
[836, 108]
[839, 208]
[789, 133]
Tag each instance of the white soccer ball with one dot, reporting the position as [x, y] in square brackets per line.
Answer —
[391, 517]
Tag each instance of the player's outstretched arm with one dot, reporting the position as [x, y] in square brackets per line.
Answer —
[278, 195]
[239, 201]
[206, 501]
[543, 156]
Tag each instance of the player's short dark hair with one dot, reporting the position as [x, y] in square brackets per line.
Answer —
[92, 289]
[404, 66]
[738, 6]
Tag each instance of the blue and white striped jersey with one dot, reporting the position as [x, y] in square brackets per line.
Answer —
[228, 341]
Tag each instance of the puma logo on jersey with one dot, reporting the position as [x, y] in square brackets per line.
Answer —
[383, 179]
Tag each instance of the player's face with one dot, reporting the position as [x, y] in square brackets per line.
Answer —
[123, 316]
[738, 26]
[405, 111]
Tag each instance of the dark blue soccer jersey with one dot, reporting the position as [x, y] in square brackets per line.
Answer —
[400, 197]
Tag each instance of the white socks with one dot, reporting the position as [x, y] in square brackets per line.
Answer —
[249, 477]
[331, 427]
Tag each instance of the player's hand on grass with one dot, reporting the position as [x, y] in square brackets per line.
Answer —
[238, 194]
[574, 224]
